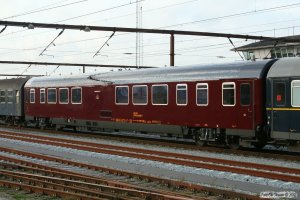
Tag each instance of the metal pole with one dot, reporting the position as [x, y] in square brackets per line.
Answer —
[172, 51]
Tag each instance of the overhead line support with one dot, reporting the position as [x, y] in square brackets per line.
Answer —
[70, 64]
[141, 30]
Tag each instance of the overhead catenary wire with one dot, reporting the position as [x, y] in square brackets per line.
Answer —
[69, 64]
[235, 48]
[109, 49]
[52, 42]
[105, 43]
[3, 29]
[236, 15]
[99, 11]
[43, 9]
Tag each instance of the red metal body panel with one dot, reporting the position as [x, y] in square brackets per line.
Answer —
[102, 98]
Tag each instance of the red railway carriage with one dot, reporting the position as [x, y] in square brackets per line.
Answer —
[223, 102]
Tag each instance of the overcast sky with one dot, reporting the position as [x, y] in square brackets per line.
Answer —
[267, 18]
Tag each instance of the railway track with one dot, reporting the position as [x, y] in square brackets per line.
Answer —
[91, 146]
[63, 178]
[166, 142]
[63, 183]
[247, 168]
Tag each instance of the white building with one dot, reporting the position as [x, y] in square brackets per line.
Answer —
[270, 49]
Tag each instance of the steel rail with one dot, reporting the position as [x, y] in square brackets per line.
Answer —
[89, 189]
[173, 183]
[232, 169]
[166, 154]
[92, 189]
[52, 185]
[47, 191]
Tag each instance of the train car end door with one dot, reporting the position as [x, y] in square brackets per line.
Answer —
[279, 109]
[245, 110]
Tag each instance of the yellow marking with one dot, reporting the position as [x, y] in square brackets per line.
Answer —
[290, 109]
[136, 114]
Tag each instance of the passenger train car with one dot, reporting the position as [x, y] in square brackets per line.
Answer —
[235, 103]
[12, 100]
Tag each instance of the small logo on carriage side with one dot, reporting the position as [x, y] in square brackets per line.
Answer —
[278, 195]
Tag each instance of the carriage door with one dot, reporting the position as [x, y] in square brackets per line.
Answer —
[245, 104]
[280, 114]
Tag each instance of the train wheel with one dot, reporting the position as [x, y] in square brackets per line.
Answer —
[233, 142]
[259, 145]
[200, 137]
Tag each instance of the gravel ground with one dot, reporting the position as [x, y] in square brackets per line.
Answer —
[223, 180]
[268, 161]
[211, 178]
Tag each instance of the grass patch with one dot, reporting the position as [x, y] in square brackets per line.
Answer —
[14, 194]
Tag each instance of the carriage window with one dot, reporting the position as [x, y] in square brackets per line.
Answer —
[139, 95]
[76, 96]
[245, 94]
[42, 96]
[2, 96]
[63, 95]
[32, 95]
[202, 94]
[279, 94]
[228, 94]
[160, 94]
[17, 96]
[181, 94]
[10, 96]
[122, 96]
[296, 93]
[51, 95]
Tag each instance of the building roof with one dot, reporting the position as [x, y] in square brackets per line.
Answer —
[268, 44]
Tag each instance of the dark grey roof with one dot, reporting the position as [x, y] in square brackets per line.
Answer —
[268, 44]
[246, 69]
[14, 83]
[285, 67]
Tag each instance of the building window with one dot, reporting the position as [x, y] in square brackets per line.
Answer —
[160, 94]
[295, 85]
[2, 96]
[245, 94]
[10, 96]
[290, 52]
[279, 94]
[42, 96]
[63, 95]
[51, 95]
[181, 94]
[202, 94]
[298, 51]
[32, 95]
[283, 52]
[122, 96]
[278, 53]
[273, 55]
[140, 95]
[228, 94]
[76, 96]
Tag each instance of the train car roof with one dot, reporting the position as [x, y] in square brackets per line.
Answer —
[12, 83]
[236, 70]
[285, 67]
